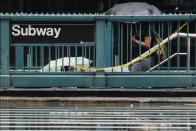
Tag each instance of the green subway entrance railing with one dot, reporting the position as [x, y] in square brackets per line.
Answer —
[44, 50]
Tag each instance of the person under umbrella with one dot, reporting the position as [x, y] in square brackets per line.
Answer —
[141, 41]
[141, 38]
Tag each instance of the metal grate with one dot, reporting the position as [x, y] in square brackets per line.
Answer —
[96, 119]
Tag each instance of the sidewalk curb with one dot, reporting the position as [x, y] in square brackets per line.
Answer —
[103, 99]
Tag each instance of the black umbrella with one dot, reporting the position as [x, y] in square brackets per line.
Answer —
[133, 8]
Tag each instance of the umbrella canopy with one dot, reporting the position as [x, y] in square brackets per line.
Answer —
[133, 8]
[56, 65]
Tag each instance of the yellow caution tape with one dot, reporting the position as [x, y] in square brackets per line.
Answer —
[146, 54]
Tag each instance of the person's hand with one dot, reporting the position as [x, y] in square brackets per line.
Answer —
[144, 43]
[133, 38]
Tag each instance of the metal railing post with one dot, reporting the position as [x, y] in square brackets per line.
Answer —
[100, 53]
[188, 53]
[19, 57]
[108, 44]
[5, 52]
[100, 41]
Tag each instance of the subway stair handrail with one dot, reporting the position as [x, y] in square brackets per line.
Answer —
[184, 35]
[164, 61]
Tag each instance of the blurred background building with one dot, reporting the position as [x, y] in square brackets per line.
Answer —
[89, 6]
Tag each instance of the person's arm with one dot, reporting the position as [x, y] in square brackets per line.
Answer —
[144, 43]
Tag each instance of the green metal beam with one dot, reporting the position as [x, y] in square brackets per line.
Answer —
[52, 80]
[100, 53]
[5, 52]
[94, 17]
[108, 44]
[124, 80]
[112, 80]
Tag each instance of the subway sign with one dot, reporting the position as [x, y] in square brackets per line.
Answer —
[51, 32]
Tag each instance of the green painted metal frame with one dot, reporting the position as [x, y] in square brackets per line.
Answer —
[50, 79]
[4, 43]
[100, 54]
[103, 41]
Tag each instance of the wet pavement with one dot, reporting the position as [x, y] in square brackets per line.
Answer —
[123, 116]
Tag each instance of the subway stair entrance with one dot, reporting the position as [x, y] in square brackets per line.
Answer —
[129, 118]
